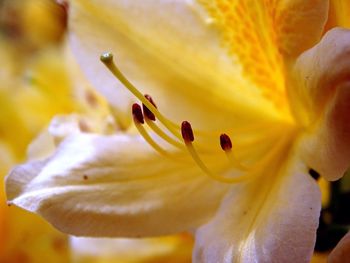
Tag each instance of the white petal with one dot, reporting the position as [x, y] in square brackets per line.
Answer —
[269, 220]
[124, 249]
[114, 186]
[323, 76]
[168, 50]
[62, 126]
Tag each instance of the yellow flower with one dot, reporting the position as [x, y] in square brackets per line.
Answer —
[253, 74]
[23, 235]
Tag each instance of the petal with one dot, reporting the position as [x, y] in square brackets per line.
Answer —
[94, 186]
[160, 249]
[323, 76]
[340, 13]
[341, 253]
[264, 221]
[174, 54]
[264, 33]
[62, 126]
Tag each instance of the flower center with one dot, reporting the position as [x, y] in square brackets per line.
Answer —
[244, 160]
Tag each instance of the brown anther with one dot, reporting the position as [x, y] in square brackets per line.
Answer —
[137, 113]
[187, 132]
[225, 142]
[146, 111]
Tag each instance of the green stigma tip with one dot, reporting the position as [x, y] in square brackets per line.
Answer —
[106, 57]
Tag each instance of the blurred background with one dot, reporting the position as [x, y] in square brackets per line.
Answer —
[39, 80]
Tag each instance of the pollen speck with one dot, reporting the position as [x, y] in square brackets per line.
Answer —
[85, 177]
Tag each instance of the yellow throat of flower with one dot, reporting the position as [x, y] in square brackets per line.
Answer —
[210, 149]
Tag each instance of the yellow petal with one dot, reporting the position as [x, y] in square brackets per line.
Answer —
[263, 33]
[322, 75]
[273, 219]
[173, 55]
[341, 9]
[94, 186]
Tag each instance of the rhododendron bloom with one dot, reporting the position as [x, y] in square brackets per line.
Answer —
[245, 98]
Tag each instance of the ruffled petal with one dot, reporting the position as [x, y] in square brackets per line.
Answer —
[169, 50]
[93, 186]
[323, 79]
[269, 220]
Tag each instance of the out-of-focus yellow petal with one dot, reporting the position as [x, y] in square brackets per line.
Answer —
[24, 236]
[32, 24]
[319, 258]
[43, 21]
[261, 33]
[325, 191]
[342, 12]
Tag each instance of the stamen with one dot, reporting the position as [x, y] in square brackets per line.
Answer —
[163, 135]
[138, 121]
[137, 113]
[206, 170]
[146, 111]
[225, 142]
[107, 59]
[226, 145]
[187, 132]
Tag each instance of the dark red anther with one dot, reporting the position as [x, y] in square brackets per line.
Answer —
[225, 142]
[137, 113]
[146, 111]
[187, 132]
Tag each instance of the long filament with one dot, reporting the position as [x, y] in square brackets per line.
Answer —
[163, 135]
[107, 59]
[148, 138]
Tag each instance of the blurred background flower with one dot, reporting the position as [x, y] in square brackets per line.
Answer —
[30, 33]
[38, 80]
